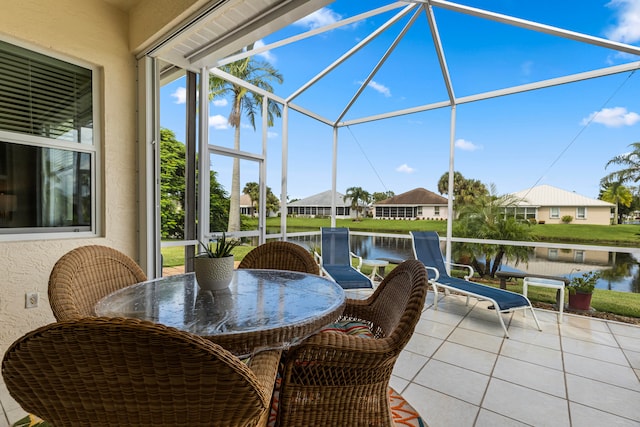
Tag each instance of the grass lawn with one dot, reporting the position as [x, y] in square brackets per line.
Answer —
[619, 303]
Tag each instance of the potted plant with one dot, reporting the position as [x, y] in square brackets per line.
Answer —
[581, 289]
[214, 266]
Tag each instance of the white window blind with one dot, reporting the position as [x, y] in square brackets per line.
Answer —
[44, 96]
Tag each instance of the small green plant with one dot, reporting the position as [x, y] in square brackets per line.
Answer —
[218, 249]
[585, 283]
[566, 219]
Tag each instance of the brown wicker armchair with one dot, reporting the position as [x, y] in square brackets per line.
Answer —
[98, 371]
[277, 255]
[335, 379]
[84, 275]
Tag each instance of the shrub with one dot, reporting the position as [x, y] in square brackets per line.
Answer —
[566, 219]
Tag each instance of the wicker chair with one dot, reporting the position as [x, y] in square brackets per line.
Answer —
[277, 255]
[98, 371]
[84, 275]
[335, 379]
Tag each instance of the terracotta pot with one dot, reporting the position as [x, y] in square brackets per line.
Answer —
[580, 301]
[213, 273]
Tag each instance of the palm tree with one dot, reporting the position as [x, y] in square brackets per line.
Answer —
[357, 194]
[464, 190]
[616, 193]
[244, 102]
[631, 163]
[486, 218]
[252, 189]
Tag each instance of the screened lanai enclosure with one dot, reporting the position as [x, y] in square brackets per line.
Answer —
[363, 81]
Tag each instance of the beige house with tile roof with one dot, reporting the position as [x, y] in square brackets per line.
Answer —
[418, 203]
[549, 204]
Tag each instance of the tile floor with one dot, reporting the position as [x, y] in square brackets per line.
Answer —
[458, 370]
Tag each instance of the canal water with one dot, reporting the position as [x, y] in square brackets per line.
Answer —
[620, 270]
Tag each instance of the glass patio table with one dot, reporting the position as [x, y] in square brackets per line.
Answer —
[260, 310]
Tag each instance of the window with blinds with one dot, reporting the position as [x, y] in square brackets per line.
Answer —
[44, 96]
[46, 188]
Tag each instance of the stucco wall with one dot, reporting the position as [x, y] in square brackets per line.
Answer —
[97, 33]
[597, 215]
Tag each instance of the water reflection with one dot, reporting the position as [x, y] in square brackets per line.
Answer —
[620, 270]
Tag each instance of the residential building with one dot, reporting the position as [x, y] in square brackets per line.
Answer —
[549, 205]
[320, 205]
[418, 203]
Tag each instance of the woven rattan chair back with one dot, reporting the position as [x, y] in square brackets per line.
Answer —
[99, 371]
[277, 255]
[336, 379]
[84, 275]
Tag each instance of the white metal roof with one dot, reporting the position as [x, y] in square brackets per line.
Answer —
[547, 195]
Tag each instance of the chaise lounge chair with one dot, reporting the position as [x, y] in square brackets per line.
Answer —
[426, 248]
[335, 260]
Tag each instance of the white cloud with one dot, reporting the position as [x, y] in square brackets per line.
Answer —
[613, 117]
[266, 55]
[466, 145]
[380, 88]
[218, 122]
[405, 168]
[319, 18]
[627, 29]
[180, 95]
[271, 134]
[220, 102]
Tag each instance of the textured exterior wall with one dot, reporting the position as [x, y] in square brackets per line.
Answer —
[97, 33]
[597, 215]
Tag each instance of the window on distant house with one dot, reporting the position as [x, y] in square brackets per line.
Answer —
[48, 147]
[436, 211]
[552, 254]
[581, 212]
[554, 213]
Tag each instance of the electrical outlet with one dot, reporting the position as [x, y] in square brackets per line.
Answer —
[31, 299]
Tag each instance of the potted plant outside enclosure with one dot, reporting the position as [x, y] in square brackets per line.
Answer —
[581, 289]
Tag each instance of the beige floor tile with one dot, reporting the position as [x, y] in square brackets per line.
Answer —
[545, 338]
[586, 322]
[604, 397]
[595, 351]
[398, 384]
[478, 340]
[606, 372]
[538, 355]
[596, 337]
[490, 326]
[629, 343]
[453, 380]
[491, 419]
[529, 375]
[625, 330]
[15, 414]
[442, 316]
[423, 344]
[409, 364]
[526, 405]
[584, 416]
[633, 357]
[434, 329]
[440, 410]
[466, 357]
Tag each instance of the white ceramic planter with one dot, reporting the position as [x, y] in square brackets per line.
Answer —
[213, 273]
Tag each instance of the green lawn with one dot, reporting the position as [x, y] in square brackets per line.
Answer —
[621, 303]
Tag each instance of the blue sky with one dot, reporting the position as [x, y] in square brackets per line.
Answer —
[561, 136]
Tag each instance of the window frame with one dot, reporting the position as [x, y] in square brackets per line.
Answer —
[94, 150]
[584, 212]
[553, 209]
